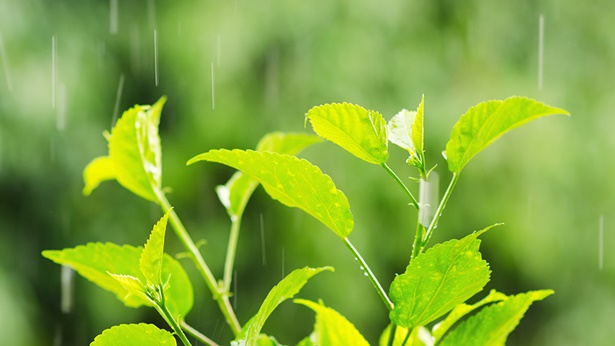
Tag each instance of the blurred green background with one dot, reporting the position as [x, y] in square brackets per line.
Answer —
[235, 70]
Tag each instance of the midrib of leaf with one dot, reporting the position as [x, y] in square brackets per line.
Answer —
[441, 283]
[346, 135]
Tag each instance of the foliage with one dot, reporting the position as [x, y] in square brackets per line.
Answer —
[437, 280]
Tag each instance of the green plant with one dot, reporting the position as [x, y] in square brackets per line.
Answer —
[437, 281]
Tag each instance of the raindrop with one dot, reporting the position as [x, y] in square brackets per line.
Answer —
[213, 94]
[54, 54]
[362, 268]
[118, 96]
[541, 36]
[263, 250]
[5, 65]
[67, 276]
[156, 57]
[113, 22]
[365, 273]
[151, 13]
[600, 242]
[428, 198]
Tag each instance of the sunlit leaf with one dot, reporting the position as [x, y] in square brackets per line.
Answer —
[284, 290]
[292, 181]
[436, 281]
[95, 260]
[492, 325]
[360, 131]
[236, 193]
[150, 261]
[134, 154]
[463, 309]
[331, 328]
[134, 334]
[400, 130]
[417, 127]
[134, 287]
[482, 124]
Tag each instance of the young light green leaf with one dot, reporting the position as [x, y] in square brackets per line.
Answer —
[95, 260]
[134, 334]
[406, 129]
[400, 130]
[482, 124]
[134, 154]
[436, 281]
[134, 287]
[360, 131]
[292, 181]
[150, 261]
[463, 309]
[331, 328]
[492, 325]
[285, 289]
[417, 127]
[236, 193]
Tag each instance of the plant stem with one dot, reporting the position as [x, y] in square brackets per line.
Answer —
[230, 252]
[401, 183]
[417, 246]
[368, 272]
[166, 314]
[441, 206]
[196, 334]
[219, 294]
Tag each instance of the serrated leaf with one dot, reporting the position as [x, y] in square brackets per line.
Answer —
[492, 325]
[361, 132]
[420, 337]
[134, 334]
[439, 279]
[95, 260]
[463, 309]
[482, 124]
[292, 181]
[236, 193]
[284, 290]
[150, 261]
[134, 154]
[400, 130]
[331, 328]
[134, 287]
[417, 127]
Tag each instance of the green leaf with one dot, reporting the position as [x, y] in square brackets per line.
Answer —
[482, 124]
[437, 280]
[331, 328]
[292, 181]
[236, 193]
[134, 287]
[417, 127]
[361, 132]
[134, 154]
[492, 324]
[406, 130]
[134, 334]
[95, 260]
[463, 309]
[150, 261]
[285, 289]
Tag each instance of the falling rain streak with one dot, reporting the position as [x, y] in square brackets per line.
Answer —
[213, 93]
[600, 242]
[5, 65]
[541, 40]
[54, 54]
[156, 57]
[113, 23]
[66, 281]
[118, 96]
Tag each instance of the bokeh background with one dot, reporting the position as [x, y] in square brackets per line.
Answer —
[235, 70]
